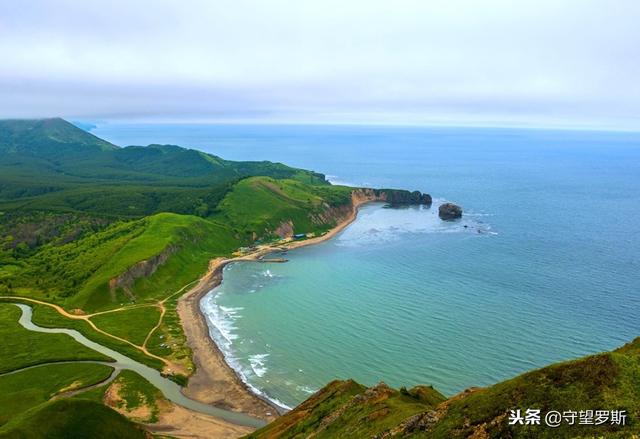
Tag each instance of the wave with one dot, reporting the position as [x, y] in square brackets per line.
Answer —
[306, 389]
[257, 362]
[334, 179]
[391, 224]
[221, 324]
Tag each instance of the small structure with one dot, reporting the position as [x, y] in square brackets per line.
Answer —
[299, 236]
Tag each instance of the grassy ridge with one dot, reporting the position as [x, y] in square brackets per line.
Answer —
[344, 409]
[257, 206]
[193, 239]
[77, 274]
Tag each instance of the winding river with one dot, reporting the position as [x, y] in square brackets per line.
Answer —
[171, 390]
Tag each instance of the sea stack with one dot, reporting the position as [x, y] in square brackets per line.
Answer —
[449, 211]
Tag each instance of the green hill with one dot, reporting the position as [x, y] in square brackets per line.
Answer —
[71, 418]
[345, 409]
[52, 165]
[48, 138]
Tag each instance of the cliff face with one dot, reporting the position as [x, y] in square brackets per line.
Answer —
[332, 215]
[395, 196]
[142, 269]
[346, 409]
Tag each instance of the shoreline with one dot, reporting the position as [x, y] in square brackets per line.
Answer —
[215, 381]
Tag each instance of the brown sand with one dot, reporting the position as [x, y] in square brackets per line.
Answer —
[176, 421]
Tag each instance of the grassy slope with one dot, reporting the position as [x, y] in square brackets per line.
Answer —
[257, 206]
[132, 325]
[51, 171]
[69, 419]
[346, 409]
[607, 381]
[23, 390]
[21, 347]
[77, 274]
[47, 317]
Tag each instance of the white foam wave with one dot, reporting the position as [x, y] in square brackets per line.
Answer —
[220, 320]
[257, 362]
[334, 179]
[387, 225]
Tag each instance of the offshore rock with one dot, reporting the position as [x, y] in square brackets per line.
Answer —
[449, 211]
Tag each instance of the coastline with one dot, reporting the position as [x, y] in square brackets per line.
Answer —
[214, 381]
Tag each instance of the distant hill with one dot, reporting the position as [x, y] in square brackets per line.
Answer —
[48, 138]
[345, 409]
[52, 165]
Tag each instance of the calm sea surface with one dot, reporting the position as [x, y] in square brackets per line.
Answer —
[547, 269]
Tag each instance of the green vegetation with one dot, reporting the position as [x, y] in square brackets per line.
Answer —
[22, 348]
[130, 393]
[71, 419]
[131, 324]
[28, 388]
[51, 165]
[257, 206]
[49, 318]
[345, 409]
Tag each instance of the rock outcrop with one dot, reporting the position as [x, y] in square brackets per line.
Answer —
[141, 269]
[396, 196]
[449, 211]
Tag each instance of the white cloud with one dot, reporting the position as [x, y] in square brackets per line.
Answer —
[572, 62]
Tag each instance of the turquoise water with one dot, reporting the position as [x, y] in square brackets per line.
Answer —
[547, 268]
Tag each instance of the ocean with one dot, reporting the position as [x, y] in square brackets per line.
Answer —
[546, 269]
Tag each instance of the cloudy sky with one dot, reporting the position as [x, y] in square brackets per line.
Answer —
[573, 63]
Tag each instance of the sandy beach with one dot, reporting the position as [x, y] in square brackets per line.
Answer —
[214, 381]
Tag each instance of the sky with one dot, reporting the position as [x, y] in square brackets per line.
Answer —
[559, 63]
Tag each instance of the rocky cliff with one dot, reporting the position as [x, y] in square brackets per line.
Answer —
[398, 196]
[142, 269]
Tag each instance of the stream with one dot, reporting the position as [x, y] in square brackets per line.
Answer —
[170, 390]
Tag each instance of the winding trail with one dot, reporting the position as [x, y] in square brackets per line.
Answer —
[163, 311]
[170, 366]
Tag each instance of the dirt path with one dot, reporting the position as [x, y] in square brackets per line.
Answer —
[169, 365]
